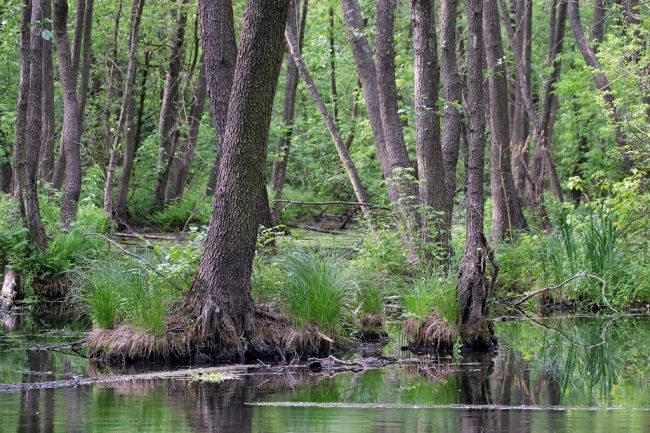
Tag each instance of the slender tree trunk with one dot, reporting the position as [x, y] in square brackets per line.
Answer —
[332, 53]
[474, 289]
[452, 93]
[216, 20]
[86, 59]
[507, 215]
[127, 102]
[284, 141]
[46, 165]
[598, 27]
[111, 81]
[71, 134]
[130, 145]
[29, 146]
[77, 38]
[602, 83]
[194, 122]
[220, 301]
[432, 188]
[330, 122]
[169, 110]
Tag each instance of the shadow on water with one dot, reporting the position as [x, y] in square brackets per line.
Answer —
[538, 382]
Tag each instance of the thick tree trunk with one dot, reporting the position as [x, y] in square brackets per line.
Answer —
[184, 160]
[452, 93]
[330, 122]
[46, 165]
[220, 300]
[216, 20]
[507, 215]
[284, 141]
[474, 289]
[432, 188]
[169, 110]
[29, 146]
[127, 103]
[403, 175]
[602, 83]
[71, 134]
[130, 145]
[22, 103]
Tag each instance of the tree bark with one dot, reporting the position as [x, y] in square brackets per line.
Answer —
[21, 104]
[46, 165]
[127, 103]
[86, 59]
[432, 188]
[330, 122]
[507, 215]
[598, 27]
[602, 83]
[332, 52]
[216, 20]
[473, 287]
[71, 133]
[169, 110]
[111, 78]
[452, 93]
[220, 300]
[284, 140]
[29, 146]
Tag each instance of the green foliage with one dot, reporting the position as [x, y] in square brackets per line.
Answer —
[371, 300]
[194, 207]
[432, 294]
[316, 290]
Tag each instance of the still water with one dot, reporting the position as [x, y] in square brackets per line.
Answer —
[558, 375]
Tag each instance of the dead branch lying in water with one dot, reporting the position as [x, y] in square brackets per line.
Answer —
[329, 203]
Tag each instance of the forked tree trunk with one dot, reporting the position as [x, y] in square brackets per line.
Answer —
[220, 301]
[284, 140]
[170, 104]
[29, 147]
[474, 289]
[507, 214]
[330, 122]
[432, 188]
[127, 104]
[46, 165]
[71, 134]
[452, 94]
[216, 20]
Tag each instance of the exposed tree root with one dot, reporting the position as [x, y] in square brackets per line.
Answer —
[429, 335]
[372, 328]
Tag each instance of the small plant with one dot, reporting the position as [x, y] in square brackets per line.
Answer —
[432, 295]
[316, 291]
[104, 307]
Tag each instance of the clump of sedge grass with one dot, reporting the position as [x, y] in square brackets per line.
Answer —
[316, 291]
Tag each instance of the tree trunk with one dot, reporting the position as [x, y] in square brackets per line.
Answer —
[86, 59]
[184, 161]
[111, 78]
[330, 122]
[220, 300]
[130, 146]
[127, 103]
[29, 146]
[473, 287]
[46, 165]
[22, 103]
[216, 19]
[602, 83]
[433, 191]
[284, 141]
[402, 173]
[169, 110]
[452, 93]
[71, 133]
[507, 215]
[332, 53]
[598, 27]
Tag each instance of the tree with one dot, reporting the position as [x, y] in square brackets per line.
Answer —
[46, 165]
[433, 191]
[71, 134]
[474, 288]
[127, 105]
[507, 214]
[216, 20]
[220, 301]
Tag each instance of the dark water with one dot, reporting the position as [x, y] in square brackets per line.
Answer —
[583, 375]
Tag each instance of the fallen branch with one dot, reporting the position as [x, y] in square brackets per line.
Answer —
[328, 203]
[146, 236]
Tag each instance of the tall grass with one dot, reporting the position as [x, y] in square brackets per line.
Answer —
[430, 295]
[316, 290]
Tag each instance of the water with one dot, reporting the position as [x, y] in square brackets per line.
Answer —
[583, 375]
